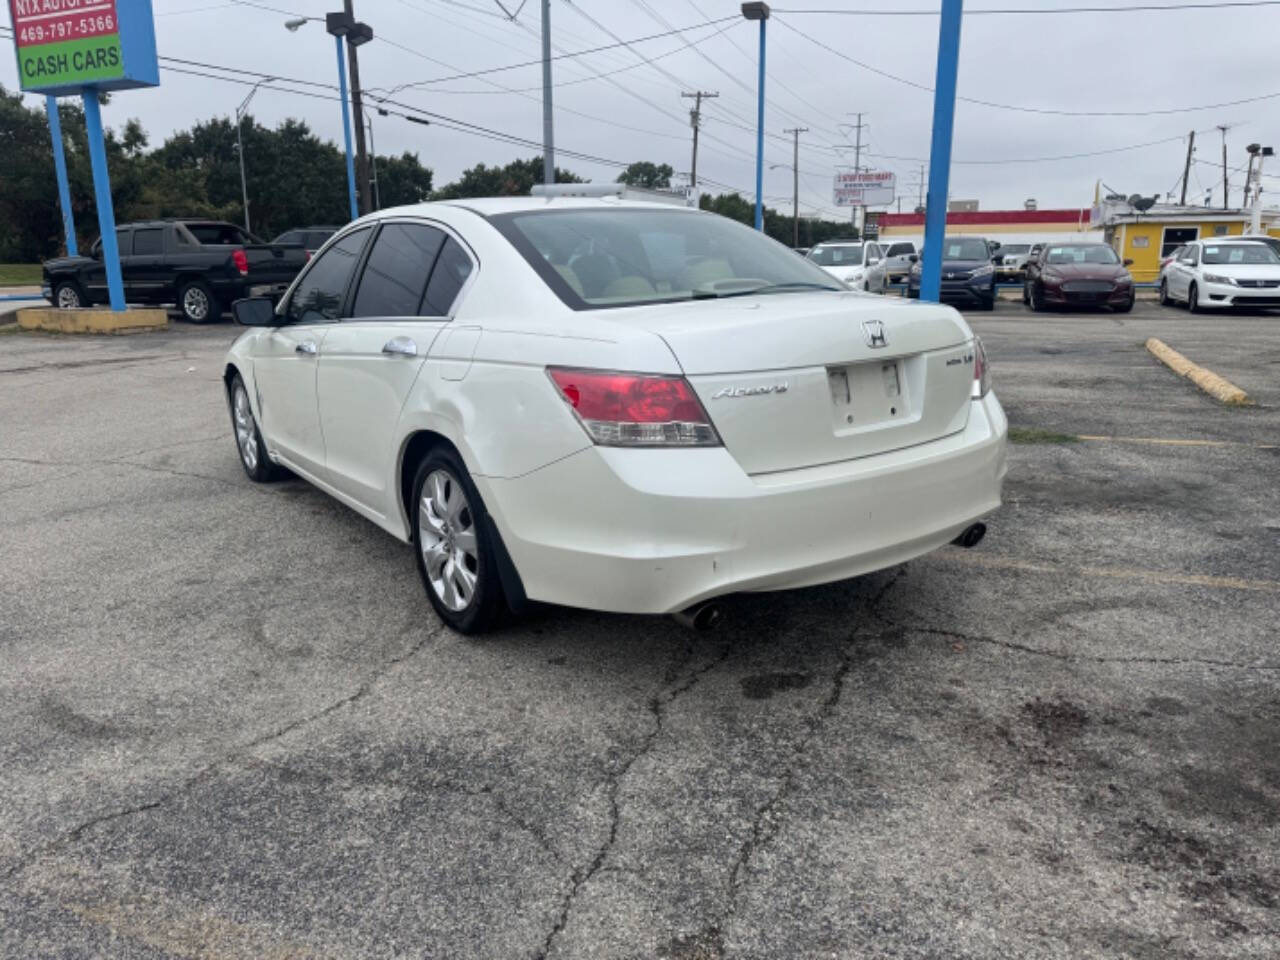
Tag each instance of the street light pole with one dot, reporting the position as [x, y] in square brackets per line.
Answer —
[346, 129]
[355, 37]
[244, 184]
[759, 11]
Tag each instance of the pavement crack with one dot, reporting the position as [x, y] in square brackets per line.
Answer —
[657, 706]
[75, 833]
[1083, 658]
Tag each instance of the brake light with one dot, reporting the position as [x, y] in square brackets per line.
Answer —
[241, 260]
[635, 409]
[981, 371]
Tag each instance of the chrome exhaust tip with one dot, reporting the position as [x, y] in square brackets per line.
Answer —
[972, 536]
[701, 616]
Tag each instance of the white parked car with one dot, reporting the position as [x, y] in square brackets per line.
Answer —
[860, 265]
[615, 405]
[1011, 260]
[1214, 274]
[898, 260]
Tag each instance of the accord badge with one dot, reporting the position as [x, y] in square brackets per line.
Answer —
[734, 392]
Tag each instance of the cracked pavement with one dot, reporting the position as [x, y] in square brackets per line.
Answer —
[232, 726]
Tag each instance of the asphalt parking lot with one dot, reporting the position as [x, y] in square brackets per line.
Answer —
[230, 725]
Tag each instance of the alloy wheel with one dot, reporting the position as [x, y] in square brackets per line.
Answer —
[448, 541]
[195, 304]
[246, 433]
[68, 299]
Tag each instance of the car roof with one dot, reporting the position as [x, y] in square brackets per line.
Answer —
[1229, 240]
[491, 206]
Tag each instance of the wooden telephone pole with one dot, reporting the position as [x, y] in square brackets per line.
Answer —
[795, 181]
[695, 120]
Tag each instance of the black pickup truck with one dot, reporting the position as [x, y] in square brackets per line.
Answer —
[201, 265]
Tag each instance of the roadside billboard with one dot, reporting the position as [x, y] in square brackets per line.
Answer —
[865, 188]
[64, 46]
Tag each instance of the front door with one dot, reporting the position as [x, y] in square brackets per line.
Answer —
[285, 359]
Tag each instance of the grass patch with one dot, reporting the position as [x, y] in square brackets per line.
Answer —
[19, 274]
[1037, 435]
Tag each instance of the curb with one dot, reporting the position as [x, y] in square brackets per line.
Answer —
[92, 320]
[1222, 390]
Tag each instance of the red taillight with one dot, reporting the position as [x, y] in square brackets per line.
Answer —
[241, 260]
[635, 409]
[981, 371]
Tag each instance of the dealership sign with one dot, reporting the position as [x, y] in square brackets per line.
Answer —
[865, 188]
[64, 46]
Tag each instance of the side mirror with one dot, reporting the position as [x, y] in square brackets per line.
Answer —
[913, 258]
[1128, 262]
[254, 312]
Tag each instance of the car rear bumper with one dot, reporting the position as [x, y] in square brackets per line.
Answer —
[654, 531]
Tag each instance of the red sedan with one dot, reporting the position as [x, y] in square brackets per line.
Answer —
[1078, 274]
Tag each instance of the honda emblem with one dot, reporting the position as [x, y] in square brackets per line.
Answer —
[873, 332]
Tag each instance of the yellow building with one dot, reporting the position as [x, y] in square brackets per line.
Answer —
[1148, 237]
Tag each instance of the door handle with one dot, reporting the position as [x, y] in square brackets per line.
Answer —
[306, 346]
[402, 346]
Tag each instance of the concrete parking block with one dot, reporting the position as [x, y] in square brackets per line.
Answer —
[93, 319]
[1208, 381]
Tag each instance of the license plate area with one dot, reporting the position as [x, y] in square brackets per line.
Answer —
[868, 395]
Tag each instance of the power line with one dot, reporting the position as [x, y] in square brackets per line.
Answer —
[1005, 11]
[1048, 111]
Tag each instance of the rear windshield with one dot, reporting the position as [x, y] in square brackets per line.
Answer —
[842, 255]
[1258, 253]
[599, 258]
[1082, 253]
[969, 248]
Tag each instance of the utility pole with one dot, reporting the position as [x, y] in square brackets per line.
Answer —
[857, 212]
[548, 133]
[1248, 179]
[373, 166]
[362, 159]
[695, 121]
[1226, 187]
[795, 181]
[1186, 170]
[920, 194]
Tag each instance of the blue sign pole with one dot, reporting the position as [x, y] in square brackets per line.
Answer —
[346, 129]
[102, 191]
[60, 168]
[760, 135]
[944, 115]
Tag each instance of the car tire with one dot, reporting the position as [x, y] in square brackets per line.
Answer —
[1035, 302]
[1026, 297]
[988, 305]
[456, 559]
[1128, 306]
[197, 303]
[253, 452]
[1164, 294]
[67, 295]
[1193, 298]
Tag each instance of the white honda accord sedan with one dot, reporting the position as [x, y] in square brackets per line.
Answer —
[611, 404]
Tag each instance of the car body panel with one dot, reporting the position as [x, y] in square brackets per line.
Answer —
[644, 530]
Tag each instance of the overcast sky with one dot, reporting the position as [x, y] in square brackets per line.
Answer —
[1134, 62]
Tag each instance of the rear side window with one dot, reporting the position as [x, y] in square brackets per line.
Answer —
[217, 234]
[148, 241]
[319, 294]
[395, 275]
[124, 242]
[453, 266]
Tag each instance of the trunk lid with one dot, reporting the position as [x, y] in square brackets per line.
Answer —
[794, 380]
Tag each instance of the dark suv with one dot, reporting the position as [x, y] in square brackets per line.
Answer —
[968, 276]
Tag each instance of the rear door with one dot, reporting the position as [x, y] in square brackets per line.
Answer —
[371, 359]
[285, 360]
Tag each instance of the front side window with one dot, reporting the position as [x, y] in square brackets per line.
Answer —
[124, 242]
[837, 256]
[1256, 254]
[148, 241]
[901, 250]
[319, 294]
[395, 275]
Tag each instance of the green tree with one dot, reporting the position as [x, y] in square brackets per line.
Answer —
[651, 176]
[780, 226]
[403, 179]
[515, 179]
